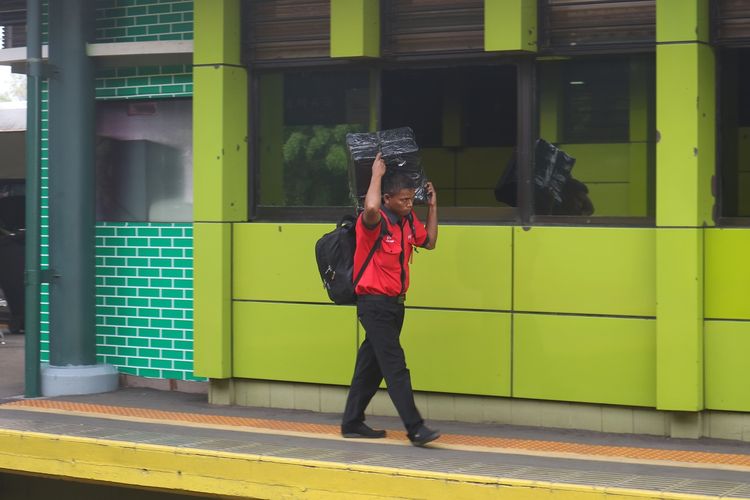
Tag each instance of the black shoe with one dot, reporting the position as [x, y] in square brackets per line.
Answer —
[362, 430]
[423, 436]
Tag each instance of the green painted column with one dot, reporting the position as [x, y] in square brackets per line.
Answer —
[685, 153]
[220, 176]
[510, 25]
[71, 185]
[355, 28]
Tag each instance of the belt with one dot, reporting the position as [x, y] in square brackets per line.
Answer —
[398, 299]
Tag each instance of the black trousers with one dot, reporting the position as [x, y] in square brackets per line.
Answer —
[381, 356]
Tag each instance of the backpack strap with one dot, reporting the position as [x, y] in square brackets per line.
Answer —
[410, 218]
[383, 232]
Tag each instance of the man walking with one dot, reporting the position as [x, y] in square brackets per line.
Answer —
[381, 293]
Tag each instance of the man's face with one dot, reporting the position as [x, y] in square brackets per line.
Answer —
[400, 203]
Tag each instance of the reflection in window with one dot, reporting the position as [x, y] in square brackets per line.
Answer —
[599, 111]
[734, 138]
[464, 120]
[144, 161]
[304, 119]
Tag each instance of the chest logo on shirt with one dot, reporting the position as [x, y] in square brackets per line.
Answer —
[389, 239]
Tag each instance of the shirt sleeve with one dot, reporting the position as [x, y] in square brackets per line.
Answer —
[366, 234]
[420, 232]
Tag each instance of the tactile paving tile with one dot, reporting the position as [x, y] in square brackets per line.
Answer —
[596, 478]
[509, 471]
[653, 483]
[221, 444]
[703, 487]
[739, 492]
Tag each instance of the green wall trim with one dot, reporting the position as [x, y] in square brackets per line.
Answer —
[727, 274]
[727, 369]
[685, 153]
[295, 342]
[585, 359]
[355, 28]
[212, 299]
[220, 144]
[510, 25]
[585, 270]
[217, 32]
[682, 21]
[679, 325]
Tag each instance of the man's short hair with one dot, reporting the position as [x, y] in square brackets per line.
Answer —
[396, 180]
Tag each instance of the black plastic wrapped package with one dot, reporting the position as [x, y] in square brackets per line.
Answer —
[399, 152]
[552, 170]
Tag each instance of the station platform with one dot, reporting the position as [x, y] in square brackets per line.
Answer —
[177, 442]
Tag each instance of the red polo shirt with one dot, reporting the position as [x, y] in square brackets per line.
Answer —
[388, 271]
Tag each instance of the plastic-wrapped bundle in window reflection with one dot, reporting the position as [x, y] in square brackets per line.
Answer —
[552, 170]
[556, 191]
[400, 153]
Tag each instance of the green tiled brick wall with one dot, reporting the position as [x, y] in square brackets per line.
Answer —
[144, 297]
[144, 82]
[143, 20]
[144, 270]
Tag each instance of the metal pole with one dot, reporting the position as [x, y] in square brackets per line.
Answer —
[33, 125]
[71, 185]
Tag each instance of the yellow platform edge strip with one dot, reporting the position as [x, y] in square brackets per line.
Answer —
[187, 470]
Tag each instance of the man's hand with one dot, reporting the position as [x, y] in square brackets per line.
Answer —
[431, 195]
[378, 166]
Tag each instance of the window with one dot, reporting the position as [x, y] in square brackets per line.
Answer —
[600, 112]
[303, 121]
[464, 119]
[144, 161]
[734, 132]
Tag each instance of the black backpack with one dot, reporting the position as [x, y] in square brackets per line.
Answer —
[334, 253]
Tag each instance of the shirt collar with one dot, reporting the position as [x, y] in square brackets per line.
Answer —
[393, 218]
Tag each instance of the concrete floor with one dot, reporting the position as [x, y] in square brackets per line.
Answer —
[11, 366]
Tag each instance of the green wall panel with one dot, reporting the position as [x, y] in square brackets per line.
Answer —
[294, 342]
[217, 32]
[220, 143]
[587, 359]
[510, 25]
[212, 305]
[679, 325]
[469, 269]
[685, 153]
[609, 199]
[727, 346]
[600, 162]
[586, 270]
[462, 352]
[440, 167]
[277, 262]
[355, 28]
[475, 198]
[682, 20]
[727, 275]
[480, 167]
